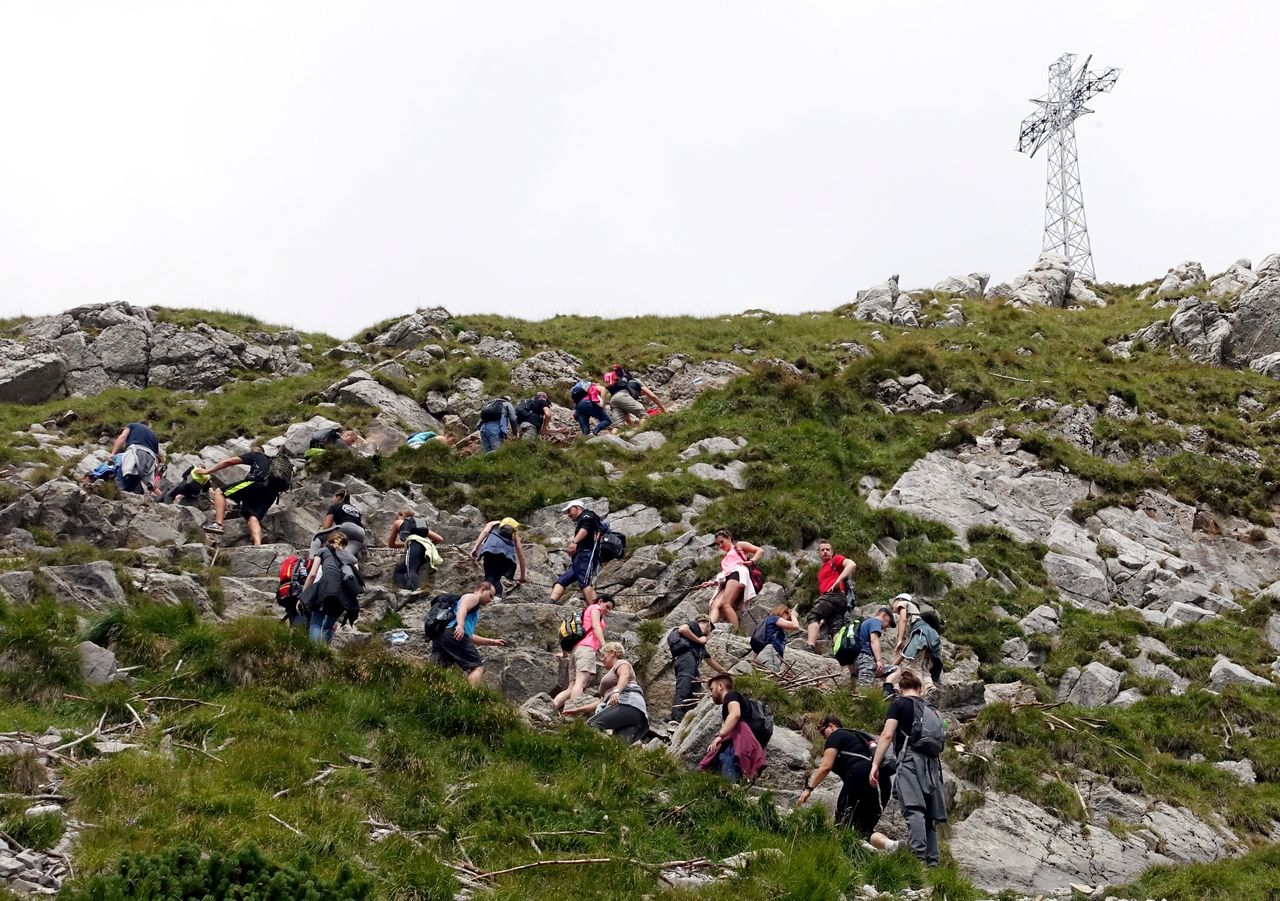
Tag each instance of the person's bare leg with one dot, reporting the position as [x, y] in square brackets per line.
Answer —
[557, 591]
[255, 529]
[713, 610]
[475, 676]
[219, 506]
[813, 634]
[879, 841]
[576, 690]
[589, 593]
[733, 591]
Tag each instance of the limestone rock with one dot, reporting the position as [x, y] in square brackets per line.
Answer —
[680, 382]
[1241, 770]
[732, 472]
[875, 304]
[1184, 275]
[1226, 672]
[1203, 329]
[1047, 284]
[552, 368]
[1238, 277]
[498, 349]
[92, 586]
[639, 443]
[971, 285]
[29, 378]
[415, 329]
[1256, 328]
[359, 388]
[1093, 686]
[717, 445]
[97, 664]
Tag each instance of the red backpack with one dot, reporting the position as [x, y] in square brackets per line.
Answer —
[293, 574]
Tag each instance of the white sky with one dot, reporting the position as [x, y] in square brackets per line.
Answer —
[331, 164]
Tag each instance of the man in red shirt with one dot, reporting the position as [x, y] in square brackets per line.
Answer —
[835, 587]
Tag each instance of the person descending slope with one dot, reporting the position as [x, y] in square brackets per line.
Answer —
[688, 644]
[835, 587]
[736, 580]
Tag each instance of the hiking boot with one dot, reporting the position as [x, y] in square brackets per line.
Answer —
[892, 845]
[214, 528]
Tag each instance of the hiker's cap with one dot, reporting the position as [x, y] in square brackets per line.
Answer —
[886, 611]
[569, 506]
[904, 596]
[508, 521]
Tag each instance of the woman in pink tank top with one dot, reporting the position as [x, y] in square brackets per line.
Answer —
[735, 586]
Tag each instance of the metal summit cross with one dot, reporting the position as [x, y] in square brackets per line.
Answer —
[1065, 230]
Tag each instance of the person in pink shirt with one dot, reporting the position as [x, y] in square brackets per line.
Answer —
[736, 588]
[583, 655]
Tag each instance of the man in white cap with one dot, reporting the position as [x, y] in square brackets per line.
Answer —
[582, 549]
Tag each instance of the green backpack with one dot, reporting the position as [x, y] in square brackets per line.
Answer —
[844, 646]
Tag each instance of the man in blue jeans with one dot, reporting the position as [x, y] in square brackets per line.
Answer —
[497, 423]
[586, 407]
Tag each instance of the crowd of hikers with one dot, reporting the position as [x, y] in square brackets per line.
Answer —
[320, 591]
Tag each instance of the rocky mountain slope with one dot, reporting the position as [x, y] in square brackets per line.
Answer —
[1080, 477]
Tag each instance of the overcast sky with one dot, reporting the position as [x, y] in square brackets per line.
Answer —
[332, 164]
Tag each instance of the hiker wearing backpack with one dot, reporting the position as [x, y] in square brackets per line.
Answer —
[688, 644]
[769, 640]
[335, 574]
[848, 753]
[419, 549]
[625, 391]
[191, 486]
[620, 708]
[140, 453]
[456, 643]
[586, 407]
[917, 734]
[497, 423]
[582, 550]
[869, 665]
[345, 517]
[499, 550]
[737, 581]
[583, 650]
[531, 416]
[268, 478]
[745, 729]
[292, 580]
[919, 646]
[835, 590]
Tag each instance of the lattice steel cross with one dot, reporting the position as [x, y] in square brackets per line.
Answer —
[1065, 229]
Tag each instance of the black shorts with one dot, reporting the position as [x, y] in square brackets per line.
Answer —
[830, 608]
[253, 498]
[861, 803]
[449, 651]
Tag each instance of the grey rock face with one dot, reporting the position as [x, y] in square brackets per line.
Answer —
[712, 447]
[549, 367]
[875, 304]
[1256, 328]
[359, 388]
[1093, 686]
[971, 285]
[92, 586]
[97, 664]
[29, 378]
[1047, 284]
[680, 382]
[732, 472]
[1238, 277]
[1202, 328]
[498, 349]
[415, 329]
[1226, 672]
[1184, 275]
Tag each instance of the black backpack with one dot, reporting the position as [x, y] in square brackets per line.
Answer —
[928, 730]
[492, 411]
[279, 473]
[759, 719]
[844, 646]
[611, 545]
[443, 610]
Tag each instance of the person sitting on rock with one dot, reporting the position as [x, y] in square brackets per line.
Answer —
[191, 487]
[421, 439]
[735, 751]
[140, 453]
[456, 646]
[586, 407]
[419, 549]
[345, 517]
[688, 644]
[582, 551]
[253, 495]
[620, 709]
[337, 573]
[583, 655]
[769, 640]
[835, 586]
[848, 753]
[735, 589]
[499, 550]
[625, 391]
[532, 418]
[919, 774]
[102, 472]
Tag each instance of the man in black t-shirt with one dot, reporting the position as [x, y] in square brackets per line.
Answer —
[688, 645]
[531, 416]
[848, 754]
[583, 566]
[251, 494]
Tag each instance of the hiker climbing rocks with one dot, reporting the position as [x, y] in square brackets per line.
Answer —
[835, 590]
[582, 549]
[140, 453]
[497, 423]
[456, 645]
[421, 439]
[268, 477]
[330, 439]
[688, 644]
[419, 549]
[191, 487]
[769, 639]
[869, 665]
[345, 517]
[335, 575]
[736, 751]
[531, 416]
[582, 654]
[498, 549]
[737, 579]
[625, 391]
[917, 734]
[848, 753]
[919, 647]
[586, 407]
[620, 708]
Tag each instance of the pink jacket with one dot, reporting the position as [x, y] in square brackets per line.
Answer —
[746, 749]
